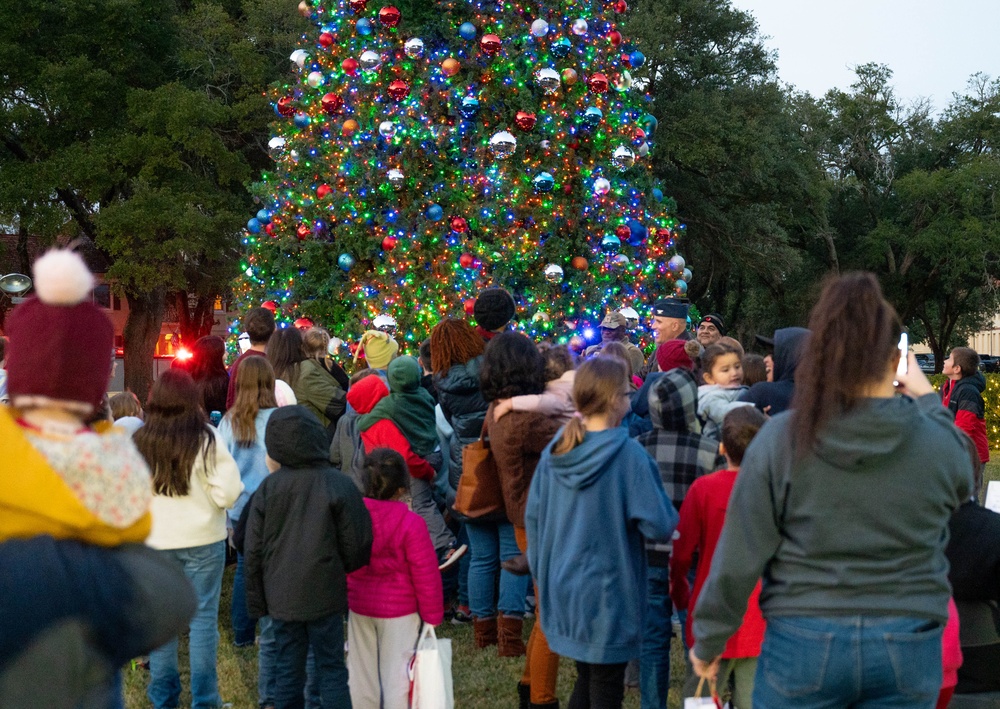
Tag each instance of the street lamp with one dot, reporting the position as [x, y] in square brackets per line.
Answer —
[15, 285]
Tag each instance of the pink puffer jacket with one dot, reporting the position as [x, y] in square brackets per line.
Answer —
[402, 576]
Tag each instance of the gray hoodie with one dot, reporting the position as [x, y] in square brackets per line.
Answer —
[858, 526]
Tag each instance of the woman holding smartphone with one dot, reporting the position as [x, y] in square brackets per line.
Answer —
[841, 507]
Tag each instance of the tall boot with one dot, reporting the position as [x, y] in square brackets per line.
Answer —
[509, 635]
[484, 631]
[523, 695]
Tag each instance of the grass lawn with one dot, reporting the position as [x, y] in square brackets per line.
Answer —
[482, 680]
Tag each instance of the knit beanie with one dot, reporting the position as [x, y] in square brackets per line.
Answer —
[61, 344]
[672, 354]
[378, 349]
[494, 308]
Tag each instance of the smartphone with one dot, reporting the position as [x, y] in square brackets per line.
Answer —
[904, 347]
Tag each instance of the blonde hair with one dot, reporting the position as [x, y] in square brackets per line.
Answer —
[254, 391]
[598, 384]
[124, 404]
[314, 343]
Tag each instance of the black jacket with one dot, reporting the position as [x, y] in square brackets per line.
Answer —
[462, 403]
[974, 553]
[307, 527]
[789, 342]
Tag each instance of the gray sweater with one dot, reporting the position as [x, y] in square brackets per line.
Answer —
[858, 526]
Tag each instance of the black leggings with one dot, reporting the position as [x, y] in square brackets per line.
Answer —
[598, 686]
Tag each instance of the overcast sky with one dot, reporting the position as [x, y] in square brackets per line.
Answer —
[931, 46]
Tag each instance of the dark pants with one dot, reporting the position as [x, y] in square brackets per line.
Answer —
[293, 641]
[244, 627]
[598, 686]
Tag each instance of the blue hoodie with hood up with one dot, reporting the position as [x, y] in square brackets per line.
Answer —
[588, 514]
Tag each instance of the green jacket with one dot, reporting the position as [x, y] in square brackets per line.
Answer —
[318, 391]
[857, 526]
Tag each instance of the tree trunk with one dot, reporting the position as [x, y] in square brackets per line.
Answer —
[142, 330]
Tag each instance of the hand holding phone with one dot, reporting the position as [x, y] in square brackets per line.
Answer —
[904, 350]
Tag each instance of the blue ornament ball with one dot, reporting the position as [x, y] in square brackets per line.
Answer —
[593, 116]
[345, 261]
[637, 229]
[301, 119]
[649, 123]
[561, 47]
[467, 31]
[637, 59]
[391, 215]
[435, 212]
[543, 182]
[469, 108]
[253, 226]
[264, 216]
[611, 244]
[657, 194]
[364, 26]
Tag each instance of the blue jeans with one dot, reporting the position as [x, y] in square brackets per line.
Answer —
[265, 662]
[862, 661]
[244, 627]
[203, 567]
[294, 639]
[654, 660]
[489, 544]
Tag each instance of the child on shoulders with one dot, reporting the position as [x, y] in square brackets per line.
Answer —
[702, 517]
[557, 399]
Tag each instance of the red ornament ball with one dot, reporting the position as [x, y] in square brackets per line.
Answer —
[269, 228]
[332, 104]
[620, 6]
[303, 323]
[597, 83]
[398, 90]
[622, 232]
[469, 306]
[270, 305]
[458, 224]
[525, 121]
[389, 243]
[358, 5]
[286, 106]
[323, 191]
[615, 37]
[579, 263]
[350, 66]
[466, 260]
[389, 16]
[303, 232]
[490, 44]
[567, 189]
[325, 39]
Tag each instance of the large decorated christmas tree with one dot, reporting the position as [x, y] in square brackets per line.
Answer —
[499, 144]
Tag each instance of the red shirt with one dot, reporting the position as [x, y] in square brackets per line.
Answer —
[231, 392]
[702, 516]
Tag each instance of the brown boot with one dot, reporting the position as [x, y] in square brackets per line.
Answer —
[509, 636]
[485, 631]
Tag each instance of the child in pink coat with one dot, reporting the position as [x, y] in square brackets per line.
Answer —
[389, 598]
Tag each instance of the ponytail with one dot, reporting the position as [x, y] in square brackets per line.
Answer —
[596, 388]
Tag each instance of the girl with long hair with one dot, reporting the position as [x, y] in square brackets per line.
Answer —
[313, 386]
[315, 346]
[841, 507]
[208, 369]
[195, 480]
[242, 432]
[595, 497]
[513, 366]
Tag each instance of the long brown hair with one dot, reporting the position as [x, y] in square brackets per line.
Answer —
[284, 352]
[175, 433]
[854, 332]
[254, 391]
[598, 384]
[453, 341]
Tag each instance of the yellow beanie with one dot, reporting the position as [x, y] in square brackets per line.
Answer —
[378, 349]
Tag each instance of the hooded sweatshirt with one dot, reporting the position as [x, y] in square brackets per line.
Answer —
[307, 525]
[774, 397]
[402, 576]
[858, 525]
[408, 406]
[587, 515]
[964, 398]
[364, 397]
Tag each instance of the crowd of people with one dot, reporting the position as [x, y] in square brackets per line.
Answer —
[790, 512]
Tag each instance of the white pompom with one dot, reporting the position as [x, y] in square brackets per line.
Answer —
[62, 278]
